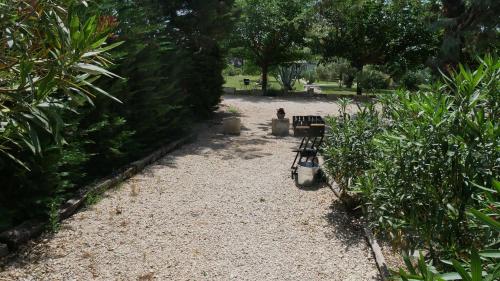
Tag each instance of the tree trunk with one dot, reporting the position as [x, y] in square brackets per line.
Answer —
[265, 69]
[349, 80]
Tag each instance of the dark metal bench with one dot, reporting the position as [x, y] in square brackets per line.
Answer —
[312, 130]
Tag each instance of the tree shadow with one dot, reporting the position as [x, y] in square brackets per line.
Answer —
[344, 226]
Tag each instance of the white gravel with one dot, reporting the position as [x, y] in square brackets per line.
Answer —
[222, 208]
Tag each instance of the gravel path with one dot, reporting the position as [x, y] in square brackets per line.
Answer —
[222, 208]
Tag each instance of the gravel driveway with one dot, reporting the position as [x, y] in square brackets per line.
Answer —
[222, 208]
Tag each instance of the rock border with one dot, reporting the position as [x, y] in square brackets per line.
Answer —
[376, 250]
[12, 238]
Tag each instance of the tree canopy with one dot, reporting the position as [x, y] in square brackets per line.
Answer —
[272, 32]
[375, 32]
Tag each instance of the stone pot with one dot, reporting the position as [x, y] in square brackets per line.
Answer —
[231, 125]
[280, 127]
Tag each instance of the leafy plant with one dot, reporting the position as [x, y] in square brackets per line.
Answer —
[53, 55]
[372, 80]
[437, 146]
[480, 266]
[288, 74]
[348, 145]
[233, 109]
[310, 76]
[412, 79]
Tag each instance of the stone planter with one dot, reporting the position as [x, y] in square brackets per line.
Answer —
[280, 127]
[231, 125]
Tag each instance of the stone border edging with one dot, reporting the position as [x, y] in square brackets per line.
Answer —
[27, 230]
[377, 252]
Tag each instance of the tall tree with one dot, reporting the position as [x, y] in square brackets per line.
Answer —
[272, 32]
[470, 28]
[374, 32]
[197, 27]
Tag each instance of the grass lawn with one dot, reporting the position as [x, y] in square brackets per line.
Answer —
[327, 87]
[237, 82]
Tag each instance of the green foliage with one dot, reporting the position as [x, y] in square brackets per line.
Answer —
[288, 74]
[231, 70]
[310, 75]
[348, 145]
[371, 79]
[337, 70]
[375, 32]
[271, 32]
[467, 29]
[421, 169]
[54, 52]
[412, 79]
[438, 145]
[171, 64]
[478, 266]
[327, 72]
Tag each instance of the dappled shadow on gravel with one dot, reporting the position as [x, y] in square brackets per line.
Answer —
[211, 139]
[343, 227]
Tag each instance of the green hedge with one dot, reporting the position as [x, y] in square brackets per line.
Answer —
[168, 83]
[422, 168]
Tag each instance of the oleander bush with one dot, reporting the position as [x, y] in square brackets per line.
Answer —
[422, 174]
[52, 54]
[348, 147]
[72, 130]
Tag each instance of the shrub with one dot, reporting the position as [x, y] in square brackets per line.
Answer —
[310, 76]
[438, 147]
[169, 82]
[231, 70]
[412, 79]
[348, 145]
[372, 80]
[327, 72]
[58, 52]
[476, 265]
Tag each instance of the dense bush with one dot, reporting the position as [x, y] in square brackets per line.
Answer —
[327, 72]
[348, 146]
[339, 70]
[370, 79]
[438, 146]
[54, 52]
[232, 70]
[428, 164]
[172, 77]
[479, 264]
[412, 79]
